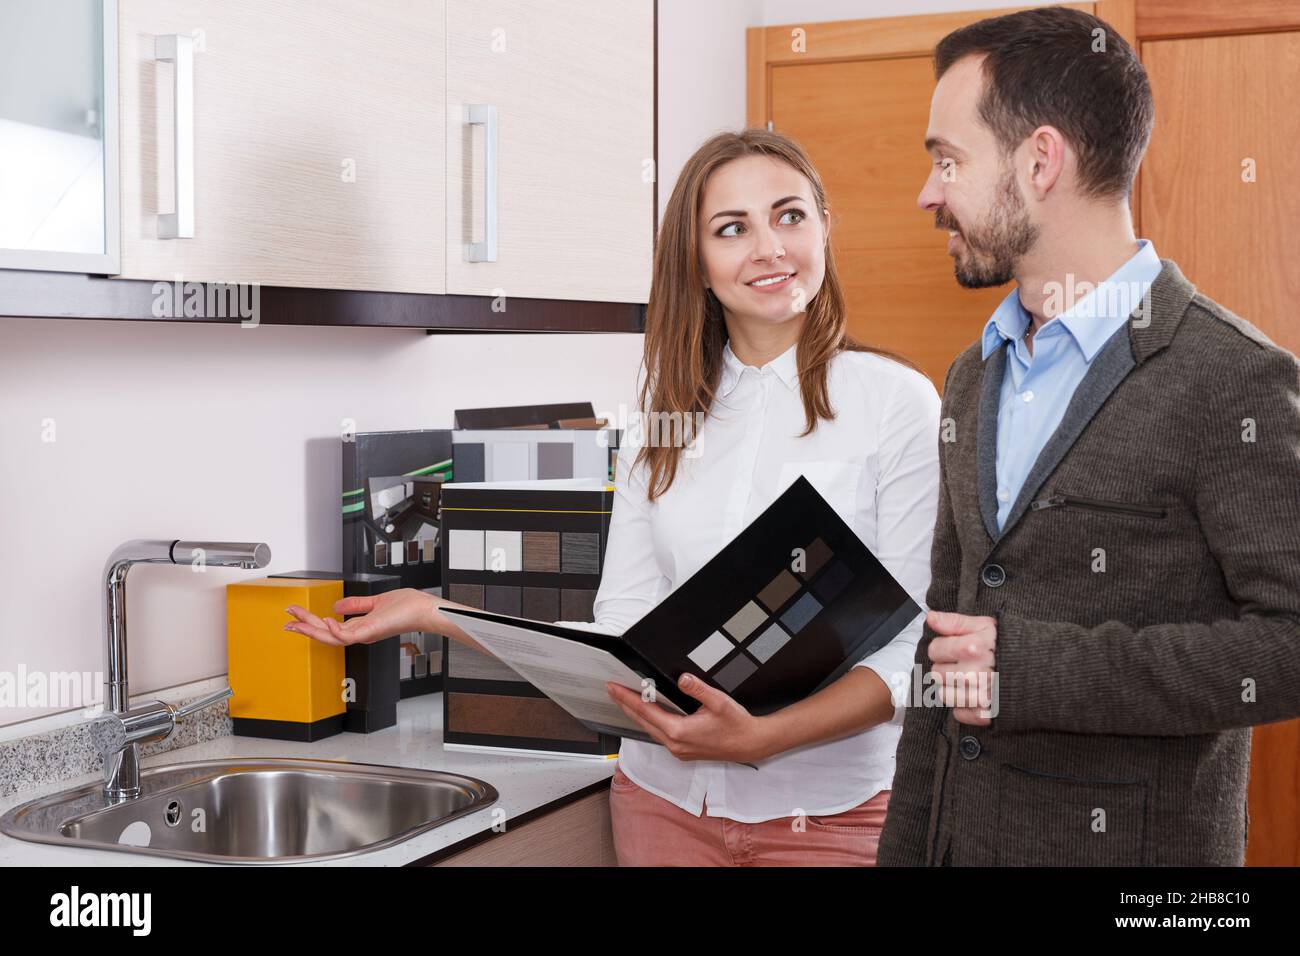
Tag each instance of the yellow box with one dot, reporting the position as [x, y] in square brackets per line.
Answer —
[286, 686]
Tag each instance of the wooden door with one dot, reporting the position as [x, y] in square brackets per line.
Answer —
[1214, 194]
[572, 83]
[1217, 195]
[318, 132]
[1219, 183]
[856, 95]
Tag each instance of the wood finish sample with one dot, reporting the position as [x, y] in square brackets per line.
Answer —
[513, 717]
[541, 551]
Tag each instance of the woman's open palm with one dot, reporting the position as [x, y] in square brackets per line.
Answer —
[378, 616]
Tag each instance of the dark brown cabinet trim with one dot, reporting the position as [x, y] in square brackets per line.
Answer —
[62, 295]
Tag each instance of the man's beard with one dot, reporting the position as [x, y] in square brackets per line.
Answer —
[993, 250]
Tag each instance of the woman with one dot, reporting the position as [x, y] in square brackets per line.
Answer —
[746, 345]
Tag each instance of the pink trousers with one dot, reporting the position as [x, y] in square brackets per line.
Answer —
[650, 831]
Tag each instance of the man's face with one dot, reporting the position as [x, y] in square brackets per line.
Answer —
[973, 189]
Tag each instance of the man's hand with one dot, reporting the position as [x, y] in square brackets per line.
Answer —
[963, 656]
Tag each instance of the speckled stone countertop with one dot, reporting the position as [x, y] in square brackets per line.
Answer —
[525, 784]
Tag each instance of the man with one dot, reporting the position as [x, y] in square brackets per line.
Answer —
[1116, 560]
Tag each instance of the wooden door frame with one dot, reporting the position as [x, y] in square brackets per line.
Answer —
[875, 38]
[1180, 19]
[887, 37]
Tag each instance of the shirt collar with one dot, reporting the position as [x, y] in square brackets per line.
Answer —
[1094, 318]
[785, 365]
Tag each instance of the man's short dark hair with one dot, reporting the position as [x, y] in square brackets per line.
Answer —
[1059, 67]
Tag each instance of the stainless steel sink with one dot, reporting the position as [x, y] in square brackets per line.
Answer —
[254, 810]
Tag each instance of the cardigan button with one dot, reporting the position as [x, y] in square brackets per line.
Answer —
[969, 747]
[993, 576]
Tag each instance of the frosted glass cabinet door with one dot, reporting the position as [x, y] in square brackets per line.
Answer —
[318, 142]
[569, 84]
[58, 135]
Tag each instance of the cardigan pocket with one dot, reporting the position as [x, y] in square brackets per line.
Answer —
[1072, 502]
[938, 792]
[1048, 819]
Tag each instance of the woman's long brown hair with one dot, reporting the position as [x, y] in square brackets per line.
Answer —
[685, 332]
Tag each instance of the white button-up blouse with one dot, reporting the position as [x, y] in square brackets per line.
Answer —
[876, 463]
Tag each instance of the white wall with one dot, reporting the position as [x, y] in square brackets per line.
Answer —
[701, 77]
[217, 432]
[222, 432]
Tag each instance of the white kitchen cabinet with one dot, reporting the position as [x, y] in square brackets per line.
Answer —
[318, 153]
[571, 86]
[330, 144]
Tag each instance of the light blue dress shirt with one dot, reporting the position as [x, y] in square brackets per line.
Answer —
[1037, 388]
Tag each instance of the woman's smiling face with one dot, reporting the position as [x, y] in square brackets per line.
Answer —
[762, 239]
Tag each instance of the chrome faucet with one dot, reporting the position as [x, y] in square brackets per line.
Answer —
[119, 731]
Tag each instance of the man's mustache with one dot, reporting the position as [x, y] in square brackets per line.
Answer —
[942, 220]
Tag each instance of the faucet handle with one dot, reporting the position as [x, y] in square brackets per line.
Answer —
[108, 734]
[144, 723]
[201, 703]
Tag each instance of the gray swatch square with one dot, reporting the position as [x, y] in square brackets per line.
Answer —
[554, 459]
[745, 621]
[768, 643]
[467, 462]
[800, 613]
[510, 461]
[502, 599]
[734, 674]
[580, 553]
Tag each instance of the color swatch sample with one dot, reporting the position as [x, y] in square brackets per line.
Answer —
[577, 604]
[714, 648]
[580, 553]
[745, 621]
[531, 454]
[504, 550]
[782, 606]
[540, 604]
[769, 642]
[468, 594]
[502, 599]
[777, 590]
[554, 460]
[570, 553]
[465, 549]
[787, 607]
[541, 551]
[529, 549]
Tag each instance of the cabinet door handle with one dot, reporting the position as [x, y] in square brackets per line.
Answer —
[180, 51]
[486, 116]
